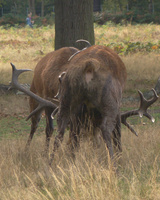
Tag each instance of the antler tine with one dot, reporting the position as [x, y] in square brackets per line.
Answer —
[82, 40]
[16, 73]
[144, 105]
[74, 55]
[54, 112]
[124, 117]
[60, 81]
[42, 102]
[129, 127]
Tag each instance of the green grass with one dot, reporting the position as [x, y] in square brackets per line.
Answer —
[13, 127]
[16, 125]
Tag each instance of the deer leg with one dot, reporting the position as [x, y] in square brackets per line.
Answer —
[97, 138]
[58, 140]
[49, 128]
[62, 124]
[107, 129]
[34, 121]
[74, 132]
[117, 136]
[74, 140]
[34, 124]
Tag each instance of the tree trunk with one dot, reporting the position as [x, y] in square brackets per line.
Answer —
[73, 21]
[120, 5]
[97, 5]
[115, 6]
[42, 8]
[32, 6]
[150, 6]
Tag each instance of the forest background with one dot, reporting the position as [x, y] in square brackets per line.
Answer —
[118, 11]
[131, 28]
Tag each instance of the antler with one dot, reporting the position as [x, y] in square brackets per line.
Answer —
[81, 40]
[85, 41]
[144, 105]
[42, 102]
[60, 80]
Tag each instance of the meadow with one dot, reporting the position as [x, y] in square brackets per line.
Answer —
[90, 175]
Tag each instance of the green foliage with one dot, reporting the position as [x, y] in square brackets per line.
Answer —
[126, 18]
[129, 11]
[114, 6]
[20, 20]
[44, 21]
[135, 17]
[10, 20]
[117, 11]
[21, 7]
[134, 47]
[102, 18]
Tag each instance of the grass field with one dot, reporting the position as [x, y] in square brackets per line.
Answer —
[89, 176]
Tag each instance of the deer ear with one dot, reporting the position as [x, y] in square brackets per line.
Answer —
[90, 68]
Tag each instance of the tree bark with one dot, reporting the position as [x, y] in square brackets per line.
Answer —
[97, 5]
[150, 6]
[32, 6]
[120, 5]
[42, 8]
[73, 21]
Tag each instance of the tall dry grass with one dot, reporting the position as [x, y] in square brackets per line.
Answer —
[132, 33]
[28, 176]
[88, 176]
[25, 47]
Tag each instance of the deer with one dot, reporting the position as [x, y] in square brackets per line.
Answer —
[45, 84]
[89, 85]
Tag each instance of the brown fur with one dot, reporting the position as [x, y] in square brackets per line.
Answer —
[92, 89]
[45, 84]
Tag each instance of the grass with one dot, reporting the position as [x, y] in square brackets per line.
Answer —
[88, 176]
[110, 33]
[24, 47]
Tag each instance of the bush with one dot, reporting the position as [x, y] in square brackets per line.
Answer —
[128, 17]
[45, 21]
[9, 20]
[102, 18]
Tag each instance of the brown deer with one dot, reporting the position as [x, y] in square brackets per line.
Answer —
[91, 88]
[94, 83]
[45, 84]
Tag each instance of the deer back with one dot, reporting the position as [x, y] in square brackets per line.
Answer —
[45, 80]
[94, 72]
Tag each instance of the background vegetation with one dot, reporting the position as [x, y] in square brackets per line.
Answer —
[118, 11]
[89, 175]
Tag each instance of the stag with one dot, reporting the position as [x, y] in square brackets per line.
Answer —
[45, 84]
[90, 86]
[93, 86]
